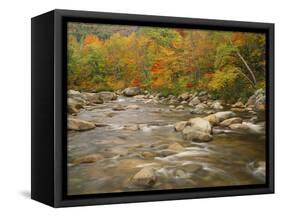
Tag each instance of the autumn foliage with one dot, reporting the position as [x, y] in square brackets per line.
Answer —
[167, 60]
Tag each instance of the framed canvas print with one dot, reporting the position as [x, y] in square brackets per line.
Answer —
[134, 108]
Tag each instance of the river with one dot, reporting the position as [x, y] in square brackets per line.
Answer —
[224, 161]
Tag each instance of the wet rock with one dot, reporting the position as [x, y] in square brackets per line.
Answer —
[200, 124]
[176, 147]
[133, 107]
[107, 96]
[195, 101]
[131, 91]
[132, 127]
[230, 121]
[118, 107]
[191, 134]
[140, 96]
[92, 158]
[76, 124]
[118, 151]
[179, 126]
[145, 177]
[166, 152]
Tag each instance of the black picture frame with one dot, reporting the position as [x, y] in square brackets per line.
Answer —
[49, 103]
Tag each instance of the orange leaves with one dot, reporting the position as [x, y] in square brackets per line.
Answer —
[136, 82]
[92, 39]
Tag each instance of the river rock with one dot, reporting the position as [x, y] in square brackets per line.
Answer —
[73, 93]
[93, 98]
[217, 105]
[257, 100]
[148, 154]
[238, 105]
[184, 96]
[218, 117]
[258, 168]
[76, 124]
[92, 158]
[239, 126]
[180, 107]
[145, 177]
[133, 107]
[230, 121]
[118, 107]
[131, 91]
[73, 106]
[179, 126]
[200, 124]
[176, 147]
[191, 134]
[195, 101]
[107, 96]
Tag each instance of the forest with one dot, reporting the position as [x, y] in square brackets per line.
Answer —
[229, 65]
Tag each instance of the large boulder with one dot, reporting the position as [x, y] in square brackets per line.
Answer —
[132, 91]
[77, 124]
[145, 177]
[230, 121]
[200, 124]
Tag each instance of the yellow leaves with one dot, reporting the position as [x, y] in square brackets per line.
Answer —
[221, 79]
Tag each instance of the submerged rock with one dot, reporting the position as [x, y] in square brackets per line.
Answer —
[258, 168]
[145, 177]
[118, 107]
[92, 158]
[77, 124]
[191, 134]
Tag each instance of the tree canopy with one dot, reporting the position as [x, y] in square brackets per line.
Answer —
[231, 65]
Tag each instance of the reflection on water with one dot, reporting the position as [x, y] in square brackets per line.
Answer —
[222, 162]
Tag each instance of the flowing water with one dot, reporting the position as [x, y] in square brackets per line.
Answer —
[224, 161]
